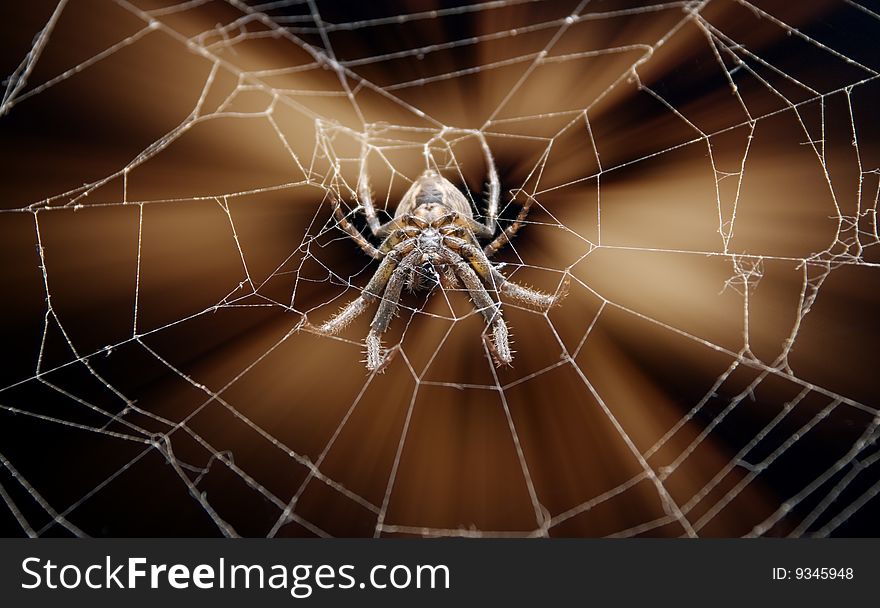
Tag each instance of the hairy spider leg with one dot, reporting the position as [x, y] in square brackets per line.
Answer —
[527, 295]
[489, 308]
[366, 196]
[457, 225]
[371, 292]
[388, 310]
[492, 277]
[508, 233]
[366, 200]
[494, 190]
[356, 236]
[410, 228]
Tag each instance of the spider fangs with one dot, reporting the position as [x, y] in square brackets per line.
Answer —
[433, 238]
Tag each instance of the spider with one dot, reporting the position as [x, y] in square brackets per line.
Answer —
[433, 238]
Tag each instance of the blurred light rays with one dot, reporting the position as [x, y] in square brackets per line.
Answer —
[184, 177]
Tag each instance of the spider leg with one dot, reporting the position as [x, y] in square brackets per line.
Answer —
[526, 295]
[366, 200]
[366, 196]
[488, 229]
[387, 310]
[462, 227]
[472, 254]
[371, 292]
[356, 236]
[489, 308]
[508, 233]
[344, 317]
[448, 279]
[398, 236]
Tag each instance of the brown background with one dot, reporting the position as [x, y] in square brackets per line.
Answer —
[223, 409]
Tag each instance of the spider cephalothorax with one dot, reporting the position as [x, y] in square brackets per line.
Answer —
[433, 238]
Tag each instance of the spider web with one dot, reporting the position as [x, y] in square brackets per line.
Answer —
[705, 173]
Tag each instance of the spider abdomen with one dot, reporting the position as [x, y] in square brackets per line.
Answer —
[431, 197]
